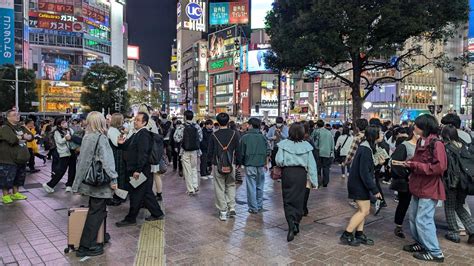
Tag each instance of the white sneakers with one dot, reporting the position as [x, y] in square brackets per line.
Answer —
[223, 216]
[48, 189]
[68, 189]
[210, 177]
[204, 177]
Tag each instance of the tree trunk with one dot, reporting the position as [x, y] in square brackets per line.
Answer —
[357, 100]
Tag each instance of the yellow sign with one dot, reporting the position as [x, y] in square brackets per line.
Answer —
[57, 96]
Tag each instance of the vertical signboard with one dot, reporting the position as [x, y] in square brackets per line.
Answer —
[316, 95]
[239, 12]
[192, 15]
[7, 32]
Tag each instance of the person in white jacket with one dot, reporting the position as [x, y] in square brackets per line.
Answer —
[344, 143]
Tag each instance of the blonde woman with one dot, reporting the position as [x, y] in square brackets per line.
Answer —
[94, 142]
[152, 127]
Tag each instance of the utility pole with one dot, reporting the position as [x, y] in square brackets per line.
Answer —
[16, 89]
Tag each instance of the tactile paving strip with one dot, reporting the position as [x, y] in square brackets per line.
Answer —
[151, 244]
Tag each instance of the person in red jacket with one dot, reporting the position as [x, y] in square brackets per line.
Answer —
[426, 185]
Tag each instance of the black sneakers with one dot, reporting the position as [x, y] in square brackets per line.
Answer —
[470, 241]
[90, 252]
[349, 239]
[426, 256]
[399, 232]
[414, 248]
[362, 238]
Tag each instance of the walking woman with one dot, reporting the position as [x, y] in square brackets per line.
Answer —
[343, 144]
[95, 145]
[295, 156]
[67, 158]
[455, 196]
[426, 186]
[114, 132]
[361, 186]
[403, 152]
[307, 137]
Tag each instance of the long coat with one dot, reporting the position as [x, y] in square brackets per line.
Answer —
[105, 155]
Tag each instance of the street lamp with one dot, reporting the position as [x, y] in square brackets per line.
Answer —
[16, 89]
[470, 94]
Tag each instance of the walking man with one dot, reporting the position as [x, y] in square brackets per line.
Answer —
[206, 139]
[324, 142]
[190, 137]
[137, 153]
[253, 153]
[275, 134]
[222, 148]
[13, 157]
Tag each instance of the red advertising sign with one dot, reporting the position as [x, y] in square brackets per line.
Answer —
[55, 22]
[44, 5]
[239, 12]
[94, 13]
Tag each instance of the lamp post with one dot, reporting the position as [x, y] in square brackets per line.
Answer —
[16, 89]
[469, 94]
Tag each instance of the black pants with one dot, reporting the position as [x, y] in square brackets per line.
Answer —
[404, 199]
[176, 161]
[325, 166]
[95, 216]
[203, 168]
[306, 197]
[31, 163]
[273, 155]
[64, 164]
[143, 193]
[293, 184]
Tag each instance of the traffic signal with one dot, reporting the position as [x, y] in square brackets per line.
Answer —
[463, 110]
[257, 108]
[292, 105]
[117, 106]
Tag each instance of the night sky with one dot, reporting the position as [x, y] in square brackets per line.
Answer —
[152, 26]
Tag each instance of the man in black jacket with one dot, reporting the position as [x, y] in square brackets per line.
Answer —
[137, 153]
[206, 138]
[225, 139]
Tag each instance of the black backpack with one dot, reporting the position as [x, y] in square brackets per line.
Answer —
[466, 162]
[157, 149]
[190, 138]
[225, 160]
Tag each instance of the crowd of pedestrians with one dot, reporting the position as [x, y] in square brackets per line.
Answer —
[424, 163]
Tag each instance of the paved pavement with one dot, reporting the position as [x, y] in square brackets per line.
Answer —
[34, 231]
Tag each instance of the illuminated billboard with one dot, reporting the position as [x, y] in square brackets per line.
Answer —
[192, 15]
[256, 61]
[236, 12]
[46, 5]
[133, 52]
[259, 10]
[222, 43]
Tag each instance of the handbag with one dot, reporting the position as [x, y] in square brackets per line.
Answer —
[163, 166]
[95, 175]
[276, 173]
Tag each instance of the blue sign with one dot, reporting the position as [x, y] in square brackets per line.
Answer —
[7, 35]
[194, 11]
[219, 13]
[471, 19]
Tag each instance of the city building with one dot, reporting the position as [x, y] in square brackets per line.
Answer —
[66, 37]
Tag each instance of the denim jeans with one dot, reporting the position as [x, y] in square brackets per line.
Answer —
[422, 224]
[255, 180]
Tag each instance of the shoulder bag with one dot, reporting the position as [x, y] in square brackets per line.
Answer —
[95, 175]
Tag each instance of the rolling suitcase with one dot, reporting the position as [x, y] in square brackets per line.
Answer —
[77, 219]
